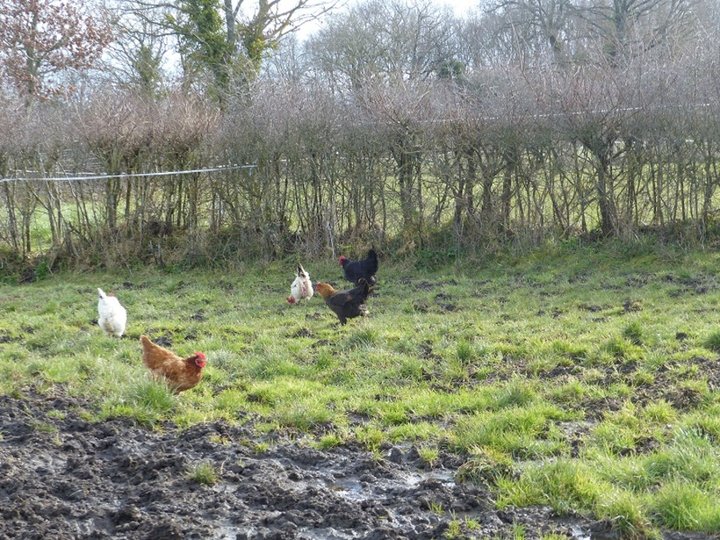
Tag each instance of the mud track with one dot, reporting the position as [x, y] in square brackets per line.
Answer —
[64, 477]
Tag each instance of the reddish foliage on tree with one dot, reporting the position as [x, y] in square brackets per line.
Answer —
[40, 40]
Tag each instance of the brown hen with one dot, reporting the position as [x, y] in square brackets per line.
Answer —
[179, 373]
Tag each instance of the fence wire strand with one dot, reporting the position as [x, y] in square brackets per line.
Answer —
[124, 175]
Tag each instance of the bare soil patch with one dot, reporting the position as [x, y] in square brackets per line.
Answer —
[64, 477]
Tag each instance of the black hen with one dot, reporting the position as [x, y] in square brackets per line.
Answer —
[363, 269]
[346, 304]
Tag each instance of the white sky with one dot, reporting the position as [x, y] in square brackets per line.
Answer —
[459, 7]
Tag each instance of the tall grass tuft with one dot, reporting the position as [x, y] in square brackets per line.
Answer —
[712, 342]
[203, 473]
[633, 332]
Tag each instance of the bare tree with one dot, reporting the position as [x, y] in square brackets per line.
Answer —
[629, 27]
[384, 41]
[538, 27]
[42, 40]
[267, 23]
[139, 57]
[288, 63]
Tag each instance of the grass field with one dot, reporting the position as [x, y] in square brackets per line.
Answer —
[580, 377]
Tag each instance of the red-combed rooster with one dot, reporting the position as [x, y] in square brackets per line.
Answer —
[345, 304]
[179, 373]
[301, 287]
[365, 269]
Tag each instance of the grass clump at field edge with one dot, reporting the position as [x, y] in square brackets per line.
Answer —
[579, 378]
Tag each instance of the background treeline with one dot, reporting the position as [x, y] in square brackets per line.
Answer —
[396, 125]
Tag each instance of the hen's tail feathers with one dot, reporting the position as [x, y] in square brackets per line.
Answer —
[101, 293]
[365, 291]
[373, 259]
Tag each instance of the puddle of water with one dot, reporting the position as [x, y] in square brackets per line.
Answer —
[351, 489]
[228, 531]
[578, 533]
[415, 479]
[326, 534]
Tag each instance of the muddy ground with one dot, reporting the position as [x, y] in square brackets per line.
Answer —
[63, 477]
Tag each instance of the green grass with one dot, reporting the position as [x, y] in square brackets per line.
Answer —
[581, 378]
[203, 473]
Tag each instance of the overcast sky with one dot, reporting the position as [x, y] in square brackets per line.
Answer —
[460, 7]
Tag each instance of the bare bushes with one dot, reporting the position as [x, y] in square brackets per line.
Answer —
[507, 155]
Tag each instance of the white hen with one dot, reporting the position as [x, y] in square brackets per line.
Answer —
[301, 287]
[112, 317]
